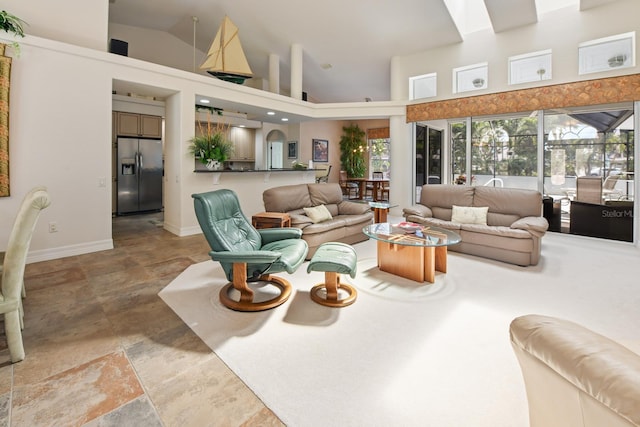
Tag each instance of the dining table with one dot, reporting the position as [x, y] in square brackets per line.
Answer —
[376, 184]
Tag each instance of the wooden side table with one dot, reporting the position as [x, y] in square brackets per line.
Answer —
[271, 220]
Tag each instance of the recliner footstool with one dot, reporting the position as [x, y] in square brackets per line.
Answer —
[334, 258]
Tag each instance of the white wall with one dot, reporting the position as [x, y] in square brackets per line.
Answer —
[60, 136]
[154, 46]
[561, 31]
[79, 22]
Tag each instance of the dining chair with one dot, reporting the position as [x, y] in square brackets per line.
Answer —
[384, 191]
[349, 189]
[13, 265]
[383, 187]
[369, 187]
[322, 175]
[25, 200]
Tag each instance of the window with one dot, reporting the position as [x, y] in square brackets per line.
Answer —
[458, 132]
[379, 156]
[588, 143]
[504, 152]
[596, 142]
[428, 155]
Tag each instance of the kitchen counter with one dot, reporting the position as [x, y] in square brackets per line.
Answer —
[250, 184]
[255, 170]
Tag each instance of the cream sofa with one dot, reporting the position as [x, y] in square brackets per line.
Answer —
[514, 222]
[347, 218]
[575, 377]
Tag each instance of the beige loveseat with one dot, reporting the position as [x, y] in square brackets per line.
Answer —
[575, 377]
[347, 218]
[514, 224]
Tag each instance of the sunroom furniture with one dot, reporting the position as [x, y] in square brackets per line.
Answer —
[589, 189]
[574, 376]
[320, 212]
[12, 278]
[609, 190]
[247, 255]
[612, 219]
[505, 224]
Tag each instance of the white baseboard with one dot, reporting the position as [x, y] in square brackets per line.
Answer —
[182, 232]
[67, 251]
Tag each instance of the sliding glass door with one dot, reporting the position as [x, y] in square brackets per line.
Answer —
[589, 170]
[593, 146]
[503, 152]
[428, 155]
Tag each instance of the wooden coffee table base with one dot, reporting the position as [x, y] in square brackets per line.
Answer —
[412, 262]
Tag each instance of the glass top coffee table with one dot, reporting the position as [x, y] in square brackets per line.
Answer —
[415, 253]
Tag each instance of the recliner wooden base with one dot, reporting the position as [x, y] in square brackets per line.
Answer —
[246, 302]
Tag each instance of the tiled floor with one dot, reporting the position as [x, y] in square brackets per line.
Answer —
[102, 349]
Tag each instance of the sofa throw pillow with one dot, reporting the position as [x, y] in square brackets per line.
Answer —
[318, 213]
[469, 215]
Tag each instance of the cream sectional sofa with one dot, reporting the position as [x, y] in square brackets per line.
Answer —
[574, 376]
[514, 223]
[347, 218]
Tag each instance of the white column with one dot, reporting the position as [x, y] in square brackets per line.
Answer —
[398, 85]
[296, 71]
[274, 73]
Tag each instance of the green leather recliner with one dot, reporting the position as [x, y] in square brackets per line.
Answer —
[247, 254]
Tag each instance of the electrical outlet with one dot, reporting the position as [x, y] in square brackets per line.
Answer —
[53, 227]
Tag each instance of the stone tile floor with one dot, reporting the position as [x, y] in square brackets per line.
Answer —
[102, 349]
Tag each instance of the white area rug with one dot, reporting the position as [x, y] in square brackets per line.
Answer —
[406, 354]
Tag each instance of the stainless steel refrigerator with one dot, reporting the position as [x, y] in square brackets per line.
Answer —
[139, 175]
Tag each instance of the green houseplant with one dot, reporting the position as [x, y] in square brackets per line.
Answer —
[211, 147]
[14, 25]
[352, 151]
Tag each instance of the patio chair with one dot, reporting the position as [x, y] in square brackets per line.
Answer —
[609, 191]
[589, 189]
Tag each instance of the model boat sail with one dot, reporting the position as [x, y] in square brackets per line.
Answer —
[226, 59]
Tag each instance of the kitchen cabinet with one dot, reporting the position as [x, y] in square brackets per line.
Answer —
[244, 144]
[139, 125]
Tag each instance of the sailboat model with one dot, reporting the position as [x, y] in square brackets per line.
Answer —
[226, 59]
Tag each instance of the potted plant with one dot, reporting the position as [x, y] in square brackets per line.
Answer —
[295, 165]
[211, 147]
[14, 25]
[352, 151]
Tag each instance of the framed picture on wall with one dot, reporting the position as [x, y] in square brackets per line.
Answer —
[320, 150]
[292, 149]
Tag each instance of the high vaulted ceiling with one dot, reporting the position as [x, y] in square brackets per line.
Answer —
[347, 44]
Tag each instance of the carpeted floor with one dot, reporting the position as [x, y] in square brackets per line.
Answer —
[411, 354]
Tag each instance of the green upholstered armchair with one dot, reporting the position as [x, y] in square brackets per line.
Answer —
[247, 254]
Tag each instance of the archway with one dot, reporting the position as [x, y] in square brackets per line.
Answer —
[275, 149]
